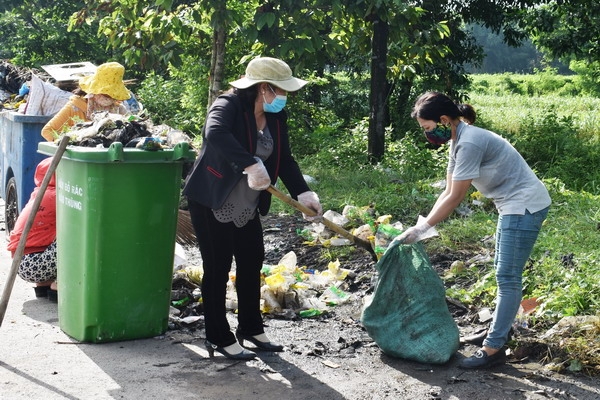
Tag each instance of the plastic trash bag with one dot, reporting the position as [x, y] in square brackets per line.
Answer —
[408, 316]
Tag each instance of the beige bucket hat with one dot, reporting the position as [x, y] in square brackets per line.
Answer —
[108, 80]
[271, 70]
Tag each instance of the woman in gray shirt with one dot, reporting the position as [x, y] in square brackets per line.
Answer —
[491, 164]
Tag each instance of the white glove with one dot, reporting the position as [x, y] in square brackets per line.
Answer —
[311, 200]
[414, 233]
[258, 177]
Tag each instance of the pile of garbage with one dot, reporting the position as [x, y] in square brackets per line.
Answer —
[13, 87]
[130, 130]
[34, 92]
[289, 290]
[377, 231]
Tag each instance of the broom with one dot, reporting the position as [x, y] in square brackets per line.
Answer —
[186, 235]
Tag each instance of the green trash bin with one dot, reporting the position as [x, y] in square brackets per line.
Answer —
[116, 225]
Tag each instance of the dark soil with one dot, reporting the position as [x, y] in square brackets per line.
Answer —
[335, 350]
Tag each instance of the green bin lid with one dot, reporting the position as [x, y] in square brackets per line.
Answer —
[117, 153]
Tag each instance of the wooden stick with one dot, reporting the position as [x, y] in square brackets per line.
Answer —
[18, 256]
[329, 224]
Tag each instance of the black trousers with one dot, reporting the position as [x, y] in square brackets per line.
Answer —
[219, 243]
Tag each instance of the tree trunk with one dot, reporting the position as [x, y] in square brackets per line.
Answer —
[402, 109]
[378, 116]
[217, 64]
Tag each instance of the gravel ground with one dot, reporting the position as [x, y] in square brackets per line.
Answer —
[328, 357]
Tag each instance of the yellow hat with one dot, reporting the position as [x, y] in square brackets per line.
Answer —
[107, 80]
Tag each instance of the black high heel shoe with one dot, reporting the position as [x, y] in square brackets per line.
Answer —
[41, 291]
[242, 355]
[268, 346]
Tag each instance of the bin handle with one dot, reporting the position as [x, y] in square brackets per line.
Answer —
[115, 152]
[180, 151]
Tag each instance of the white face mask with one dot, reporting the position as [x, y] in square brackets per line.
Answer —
[103, 100]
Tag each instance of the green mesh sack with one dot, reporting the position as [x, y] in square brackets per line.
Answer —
[408, 316]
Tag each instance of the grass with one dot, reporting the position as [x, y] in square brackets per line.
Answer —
[564, 268]
[558, 132]
[507, 114]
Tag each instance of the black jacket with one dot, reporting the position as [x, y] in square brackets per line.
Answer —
[228, 146]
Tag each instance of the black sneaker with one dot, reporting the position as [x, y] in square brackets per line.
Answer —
[481, 360]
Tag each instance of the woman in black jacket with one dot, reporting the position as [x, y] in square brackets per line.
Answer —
[245, 148]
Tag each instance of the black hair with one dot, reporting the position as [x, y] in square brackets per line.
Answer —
[79, 92]
[432, 105]
[468, 113]
[247, 95]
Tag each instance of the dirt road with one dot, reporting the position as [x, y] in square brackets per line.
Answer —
[328, 358]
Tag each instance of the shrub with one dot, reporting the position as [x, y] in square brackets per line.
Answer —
[553, 146]
[178, 100]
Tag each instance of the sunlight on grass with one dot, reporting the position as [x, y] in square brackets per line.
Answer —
[558, 135]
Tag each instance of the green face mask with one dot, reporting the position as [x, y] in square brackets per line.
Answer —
[440, 134]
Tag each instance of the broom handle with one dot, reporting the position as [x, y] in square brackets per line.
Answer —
[18, 256]
[329, 224]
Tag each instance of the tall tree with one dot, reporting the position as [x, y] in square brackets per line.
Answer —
[380, 36]
[395, 40]
[566, 28]
[34, 33]
[378, 116]
[154, 35]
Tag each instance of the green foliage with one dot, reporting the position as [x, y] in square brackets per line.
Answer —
[340, 147]
[178, 100]
[543, 82]
[311, 124]
[588, 75]
[34, 33]
[500, 57]
[565, 29]
[346, 95]
[566, 273]
[553, 146]
[149, 37]
[160, 97]
[557, 135]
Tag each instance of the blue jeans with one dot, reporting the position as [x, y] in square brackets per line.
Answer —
[515, 237]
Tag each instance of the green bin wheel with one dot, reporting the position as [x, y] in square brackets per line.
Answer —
[11, 206]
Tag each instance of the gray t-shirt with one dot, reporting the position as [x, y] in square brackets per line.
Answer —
[498, 171]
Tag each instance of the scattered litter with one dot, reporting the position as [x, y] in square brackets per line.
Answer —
[484, 315]
[439, 184]
[179, 260]
[329, 363]
[309, 179]
[526, 307]
[307, 292]
[336, 218]
[191, 319]
[568, 326]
